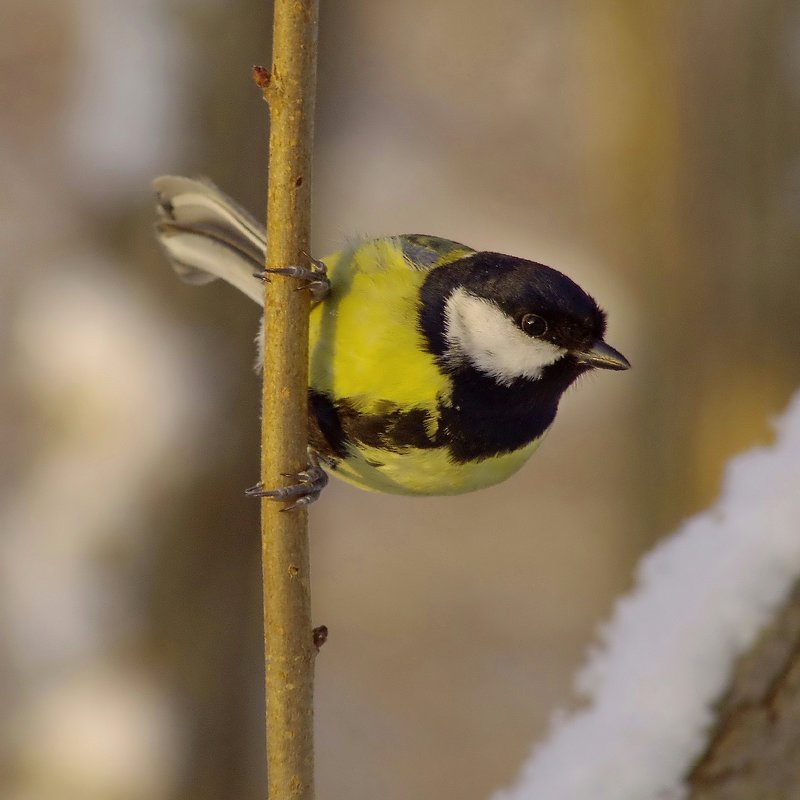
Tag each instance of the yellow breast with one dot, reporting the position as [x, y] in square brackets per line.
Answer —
[427, 472]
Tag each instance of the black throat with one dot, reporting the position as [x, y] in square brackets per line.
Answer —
[484, 419]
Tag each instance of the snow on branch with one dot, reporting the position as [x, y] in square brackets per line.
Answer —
[667, 654]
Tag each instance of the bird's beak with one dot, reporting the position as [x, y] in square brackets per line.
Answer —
[603, 356]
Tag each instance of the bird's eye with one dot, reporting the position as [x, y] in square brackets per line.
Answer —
[533, 325]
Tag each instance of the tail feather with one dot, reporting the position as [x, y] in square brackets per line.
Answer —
[206, 235]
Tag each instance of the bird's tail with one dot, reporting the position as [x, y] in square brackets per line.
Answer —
[206, 235]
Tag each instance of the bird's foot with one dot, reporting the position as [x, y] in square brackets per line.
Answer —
[315, 277]
[307, 489]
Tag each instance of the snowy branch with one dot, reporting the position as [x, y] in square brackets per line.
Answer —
[667, 655]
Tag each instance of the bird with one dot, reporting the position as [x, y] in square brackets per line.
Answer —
[434, 368]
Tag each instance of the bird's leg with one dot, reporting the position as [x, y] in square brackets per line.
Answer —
[310, 483]
[315, 277]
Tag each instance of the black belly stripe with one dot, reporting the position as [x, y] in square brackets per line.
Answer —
[486, 419]
[335, 423]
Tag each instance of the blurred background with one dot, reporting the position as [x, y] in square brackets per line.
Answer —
[649, 150]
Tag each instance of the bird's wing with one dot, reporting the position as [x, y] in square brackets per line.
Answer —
[206, 235]
[424, 252]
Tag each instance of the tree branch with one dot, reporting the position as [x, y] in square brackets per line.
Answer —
[288, 644]
[753, 750]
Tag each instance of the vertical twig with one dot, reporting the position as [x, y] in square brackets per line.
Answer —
[288, 645]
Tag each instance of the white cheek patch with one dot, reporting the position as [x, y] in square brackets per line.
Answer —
[478, 332]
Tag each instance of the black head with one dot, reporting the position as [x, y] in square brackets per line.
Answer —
[513, 319]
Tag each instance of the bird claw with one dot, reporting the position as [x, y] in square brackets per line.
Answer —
[310, 483]
[315, 277]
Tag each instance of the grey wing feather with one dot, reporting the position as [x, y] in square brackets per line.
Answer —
[422, 251]
[206, 235]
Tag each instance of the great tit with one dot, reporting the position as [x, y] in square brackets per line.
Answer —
[434, 369]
